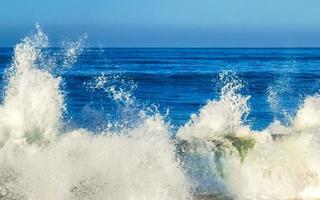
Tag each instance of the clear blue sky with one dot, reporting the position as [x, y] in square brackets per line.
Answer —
[166, 23]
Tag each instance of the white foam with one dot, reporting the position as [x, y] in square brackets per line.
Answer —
[284, 162]
[33, 103]
[39, 161]
[222, 117]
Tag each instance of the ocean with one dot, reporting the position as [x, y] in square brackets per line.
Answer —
[182, 80]
[158, 123]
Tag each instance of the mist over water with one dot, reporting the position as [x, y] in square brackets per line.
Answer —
[134, 151]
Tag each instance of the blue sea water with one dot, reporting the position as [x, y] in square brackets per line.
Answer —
[178, 81]
[118, 123]
[158, 123]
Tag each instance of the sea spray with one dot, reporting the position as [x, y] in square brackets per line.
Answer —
[118, 88]
[216, 154]
[227, 159]
[120, 91]
[33, 103]
[72, 50]
[215, 133]
[39, 161]
[222, 117]
[278, 93]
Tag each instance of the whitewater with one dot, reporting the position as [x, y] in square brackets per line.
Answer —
[216, 154]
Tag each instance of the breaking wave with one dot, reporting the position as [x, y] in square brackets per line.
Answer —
[38, 160]
[226, 157]
[216, 154]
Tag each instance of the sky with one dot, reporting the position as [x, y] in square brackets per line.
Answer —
[166, 23]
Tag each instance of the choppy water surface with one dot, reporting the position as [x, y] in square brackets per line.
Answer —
[95, 123]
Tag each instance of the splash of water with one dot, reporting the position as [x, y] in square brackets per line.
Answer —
[72, 50]
[40, 161]
[282, 164]
[33, 103]
[278, 92]
[220, 153]
[222, 117]
[119, 89]
[224, 156]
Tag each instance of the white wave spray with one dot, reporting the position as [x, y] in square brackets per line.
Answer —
[39, 161]
[222, 155]
[280, 162]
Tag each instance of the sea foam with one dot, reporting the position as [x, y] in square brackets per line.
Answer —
[38, 160]
[279, 162]
[216, 154]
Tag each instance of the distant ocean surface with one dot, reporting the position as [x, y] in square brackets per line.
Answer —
[181, 80]
[81, 123]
